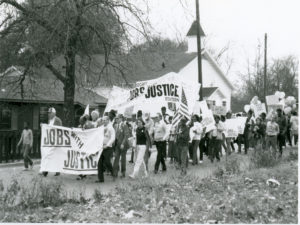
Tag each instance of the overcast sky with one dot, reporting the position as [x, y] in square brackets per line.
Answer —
[242, 23]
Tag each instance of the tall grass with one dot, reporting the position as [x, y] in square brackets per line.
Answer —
[40, 193]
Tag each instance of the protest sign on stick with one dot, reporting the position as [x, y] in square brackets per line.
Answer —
[219, 110]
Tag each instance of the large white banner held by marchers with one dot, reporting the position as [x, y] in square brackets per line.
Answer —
[151, 95]
[70, 150]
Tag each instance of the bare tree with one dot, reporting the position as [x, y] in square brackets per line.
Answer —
[44, 30]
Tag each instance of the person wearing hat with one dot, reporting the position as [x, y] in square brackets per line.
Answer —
[52, 118]
[183, 138]
[54, 121]
[121, 145]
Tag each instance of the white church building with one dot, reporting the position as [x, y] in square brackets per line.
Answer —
[217, 88]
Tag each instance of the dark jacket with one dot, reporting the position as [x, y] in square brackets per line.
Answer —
[183, 136]
[122, 134]
[57, 121]
[281, 121]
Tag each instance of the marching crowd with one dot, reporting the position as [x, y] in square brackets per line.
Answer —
[179, 143]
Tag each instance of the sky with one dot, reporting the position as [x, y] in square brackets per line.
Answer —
[241, 23]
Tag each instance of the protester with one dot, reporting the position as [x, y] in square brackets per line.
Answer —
[171, 140]
[272, 132]
[54, 121]
[133, 128]
[26, 140]
[85, 124]
[294, 127]
[248, 130]
[224, 144]
[240, 138]
[196, 132]
[121, 146]
[149, 125]
[216, 140]
[264, 121]
[182, 144]
[288, 130]
[160, 137]
[112, 116]
[229, 141]
[281, 121]
[142, 138]
[203, 145]
[258, 131]
[164, 114]
[108, 140]
[52, 118]
[95, 117]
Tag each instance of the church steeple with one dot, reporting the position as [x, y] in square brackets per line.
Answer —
[192, 37]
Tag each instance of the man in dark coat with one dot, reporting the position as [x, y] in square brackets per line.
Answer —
[121, 146]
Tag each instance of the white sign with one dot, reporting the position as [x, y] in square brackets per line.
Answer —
[241, 122]
[70, 150]
[208, 120]
[259, 109]
[272, 100]
[235, 126]
[219, 110]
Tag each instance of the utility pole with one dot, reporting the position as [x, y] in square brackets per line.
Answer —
[199, 51]
[265, 68]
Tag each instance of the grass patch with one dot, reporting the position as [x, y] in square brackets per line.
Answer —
[233, 197]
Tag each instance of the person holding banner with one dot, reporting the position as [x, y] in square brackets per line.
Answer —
[108, 140]
[121, 146]
[54, 121]
[142, 138]
[95, 117]
[160, 137]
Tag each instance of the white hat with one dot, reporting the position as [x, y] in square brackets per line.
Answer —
[51, 110]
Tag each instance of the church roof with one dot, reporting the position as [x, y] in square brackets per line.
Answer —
[193, 30]
[208, 91]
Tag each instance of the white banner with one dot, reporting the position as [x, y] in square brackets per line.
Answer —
[70, 150]
[151, 95]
